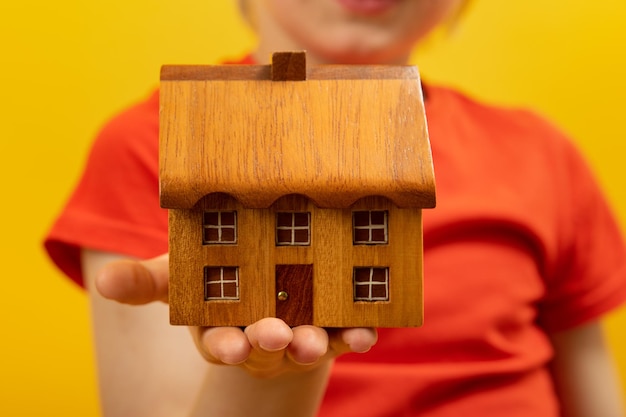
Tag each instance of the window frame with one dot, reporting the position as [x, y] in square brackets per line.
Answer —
[220, 227]
[221, 282]
[371, 283]
[371, 227]
[293, 228]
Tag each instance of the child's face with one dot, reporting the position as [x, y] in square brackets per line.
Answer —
[348, 31]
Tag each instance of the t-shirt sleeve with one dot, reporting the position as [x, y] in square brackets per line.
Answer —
[588, 277]
[115, 206]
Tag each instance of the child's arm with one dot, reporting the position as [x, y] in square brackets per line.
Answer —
[149, 368]
[584, 373]
[145, 367]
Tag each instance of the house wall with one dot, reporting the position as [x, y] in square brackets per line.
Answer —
[334, 298]
[331, 252]
[251, 254]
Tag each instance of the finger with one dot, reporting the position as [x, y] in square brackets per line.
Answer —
[269, 334]
[309, 345]
[135, 282]
[269, 338]
[358, 339]
[222, 345]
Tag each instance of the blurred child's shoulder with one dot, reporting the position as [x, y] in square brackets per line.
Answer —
[454, 104]
[134, 128]
[453, 99]
[143, 114]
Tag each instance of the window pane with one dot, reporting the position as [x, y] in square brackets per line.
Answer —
[301, 219]
[228, 235]
[230, 290]
[229, 273]
[361, 218]
[211, 218]
[378, 235]
[212, 274]
[379, 291]
[379, 274]
[211, 234]
[301, 236]
[227, 218]
[361, 292]
[361, 274]
[378, 217]
[214, 290]
[283, 237]
[284, 219]
[361, 235]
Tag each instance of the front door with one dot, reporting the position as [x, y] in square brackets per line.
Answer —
[294, 294]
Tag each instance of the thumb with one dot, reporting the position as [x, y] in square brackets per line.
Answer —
[135, 282]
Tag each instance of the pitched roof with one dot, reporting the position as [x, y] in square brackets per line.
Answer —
[345, 133]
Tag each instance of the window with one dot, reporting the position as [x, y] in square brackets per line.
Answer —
[371, 284]
[293, 229]
[221, 283]
[369, 227]
[219, 227]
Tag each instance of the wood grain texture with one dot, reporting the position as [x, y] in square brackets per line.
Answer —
[263, 72]
[335, 258]
[331, 253]
[333, 140]
[295, 281]
[188, 257]
[288, 66]
[348, 138]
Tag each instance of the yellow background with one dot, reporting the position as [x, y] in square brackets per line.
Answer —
[66, 66]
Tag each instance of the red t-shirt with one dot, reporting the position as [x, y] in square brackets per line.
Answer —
[522, 242]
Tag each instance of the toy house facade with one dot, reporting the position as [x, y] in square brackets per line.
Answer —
[295, 192]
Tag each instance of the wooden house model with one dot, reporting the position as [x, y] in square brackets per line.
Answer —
[295, 192]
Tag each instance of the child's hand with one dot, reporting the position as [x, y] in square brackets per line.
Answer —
[266, 348]
[270, 347]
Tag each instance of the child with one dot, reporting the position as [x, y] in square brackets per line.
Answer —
[522, 257]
